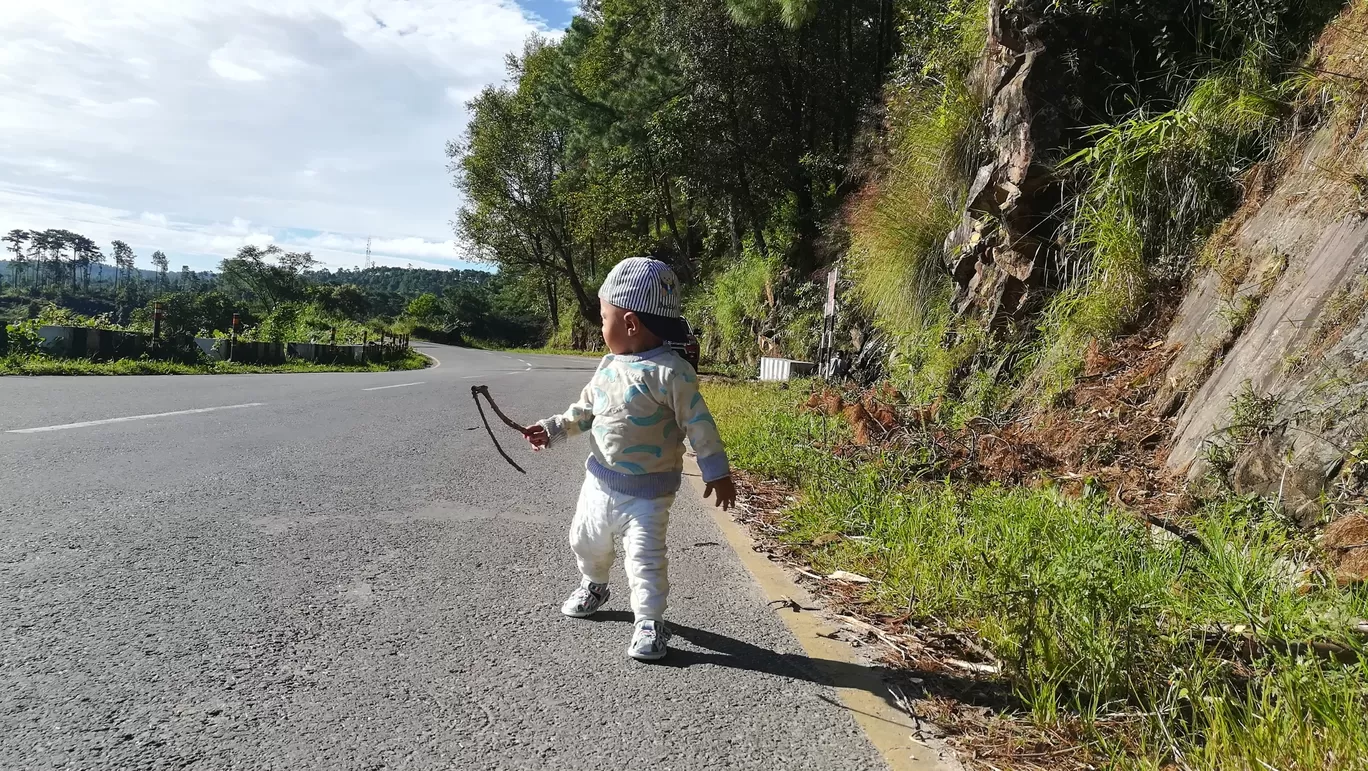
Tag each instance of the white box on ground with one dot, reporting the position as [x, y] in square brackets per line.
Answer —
[784, 369]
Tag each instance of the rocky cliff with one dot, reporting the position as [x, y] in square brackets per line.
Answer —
[1272, 333]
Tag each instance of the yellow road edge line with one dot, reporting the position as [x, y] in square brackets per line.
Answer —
[860, 688]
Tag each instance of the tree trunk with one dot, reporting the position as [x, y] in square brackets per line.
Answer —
[733, 228]
[667, 200]
[742, 179]
[805, 252]
[552, 301]
[588, 306]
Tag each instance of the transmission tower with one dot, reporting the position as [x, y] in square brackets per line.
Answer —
[369, 262]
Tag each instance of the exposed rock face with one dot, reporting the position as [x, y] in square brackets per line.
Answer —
[1298, 253]
[997, 254]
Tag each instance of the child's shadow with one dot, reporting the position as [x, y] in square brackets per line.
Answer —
[726, 651]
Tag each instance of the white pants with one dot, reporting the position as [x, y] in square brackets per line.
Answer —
[601, 517]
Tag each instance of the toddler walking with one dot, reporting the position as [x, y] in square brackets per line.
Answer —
[641, 403]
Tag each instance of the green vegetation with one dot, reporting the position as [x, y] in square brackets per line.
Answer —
[714, 135]
[1161, 653]
[548, 351]
[1155, 185]
[899, 222]
[49, 365]
[278, 296]
[1171, 127]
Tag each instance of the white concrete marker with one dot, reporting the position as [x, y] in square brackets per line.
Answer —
[88, 423]
[401, 385]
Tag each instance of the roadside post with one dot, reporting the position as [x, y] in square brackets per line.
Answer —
[232, 335]
[824, 348]
[156, 323]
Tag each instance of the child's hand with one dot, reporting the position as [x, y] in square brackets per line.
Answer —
[726, 492]
[537, 436]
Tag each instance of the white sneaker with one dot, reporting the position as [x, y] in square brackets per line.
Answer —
[586, 600]
[649, 640]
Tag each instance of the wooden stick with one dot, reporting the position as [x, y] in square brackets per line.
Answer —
[475, 392]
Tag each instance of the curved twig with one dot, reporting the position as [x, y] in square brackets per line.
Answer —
[475, 392]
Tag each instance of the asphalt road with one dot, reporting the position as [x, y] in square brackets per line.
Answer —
[324, 576]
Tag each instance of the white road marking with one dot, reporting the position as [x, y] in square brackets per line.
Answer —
[400, 385]
[430, 356]
[88, 423]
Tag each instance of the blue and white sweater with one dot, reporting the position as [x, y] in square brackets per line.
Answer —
[637, 410]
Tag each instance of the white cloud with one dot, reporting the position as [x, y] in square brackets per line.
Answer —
[152, 120]
[249, 59]
[204, 244]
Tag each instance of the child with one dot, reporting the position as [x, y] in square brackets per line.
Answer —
[641, 402]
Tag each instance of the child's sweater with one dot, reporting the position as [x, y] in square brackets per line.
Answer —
[638, 409]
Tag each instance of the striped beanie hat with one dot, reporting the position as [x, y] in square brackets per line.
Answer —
[650, 289]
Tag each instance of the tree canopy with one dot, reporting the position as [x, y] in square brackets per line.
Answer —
[690, 131]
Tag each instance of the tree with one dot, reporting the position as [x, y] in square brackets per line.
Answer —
[16, 240]
[72, 243]
[123, 260]
[424, 307]
[162, 264]
[510, 167]
[348, 300]
[269, 276]
[48, 245]
[792, 13]
[84, 252]
[93, 257]
[185, 278]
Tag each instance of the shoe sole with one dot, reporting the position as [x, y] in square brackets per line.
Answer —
[646, 656]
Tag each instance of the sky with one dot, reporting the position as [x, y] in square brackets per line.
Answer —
[200, 126]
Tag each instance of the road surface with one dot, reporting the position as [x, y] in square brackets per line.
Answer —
[337, 571]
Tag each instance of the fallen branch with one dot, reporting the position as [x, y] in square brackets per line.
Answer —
[475, 392]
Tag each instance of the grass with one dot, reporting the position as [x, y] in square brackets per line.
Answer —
[730, 311]
[554, 352]
[898, 224]
[49, 365]
[1097, 624]
[1154, 184]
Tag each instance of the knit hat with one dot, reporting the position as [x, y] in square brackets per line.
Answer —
[649, 289]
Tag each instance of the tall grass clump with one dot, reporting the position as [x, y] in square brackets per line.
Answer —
[729, 314]
[898, 223]
[763, 430]
[898, 226]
